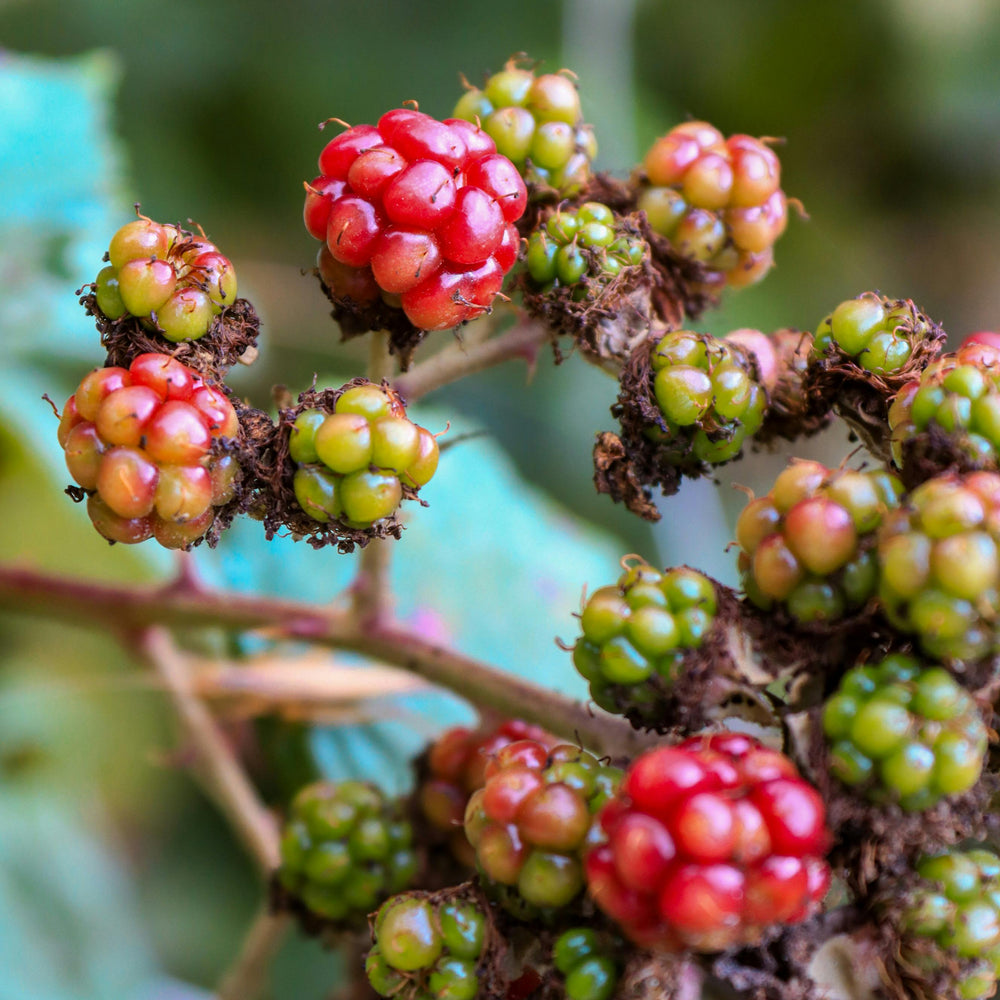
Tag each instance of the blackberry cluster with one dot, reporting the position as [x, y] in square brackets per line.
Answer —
[419, 213]
[587, 964]
[175, 281]
[956, 906]
[708, 844]
[808, 545]
[537, 123]
[878, 333]
[636, 633]
[707, 393]
[352, 464]
[530, 821]
[957, 397]
[939, 565]
[584, 248]
[424, 947]
[344, 849]
[719, 201]
[456, 767]
[147, 444]
[904, 733]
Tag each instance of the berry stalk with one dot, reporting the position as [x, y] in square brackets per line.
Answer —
[246, 978]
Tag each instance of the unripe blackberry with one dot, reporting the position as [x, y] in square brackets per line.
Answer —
[428, 946]
[637, 633]
[585, 248]
[351, 465]
[148, 445]
[718, 201]
[939, 567]
[587, 964]
[456, 767]
[708, 396]
[418, 213]
[708, 844]
[807, 546]
[952, 411]
[879, 334]
[344, 849]
[905, 733]
[955, 906]
[530, 821]
[537, 123]
[175, 281]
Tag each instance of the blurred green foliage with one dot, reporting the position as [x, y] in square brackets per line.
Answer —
[893, 145]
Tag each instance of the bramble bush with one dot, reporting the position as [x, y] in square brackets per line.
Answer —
[783, 791]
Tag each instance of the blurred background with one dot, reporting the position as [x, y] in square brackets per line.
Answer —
[116, 879]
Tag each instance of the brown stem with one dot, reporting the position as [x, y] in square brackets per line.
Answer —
[134, 606]
[460, 359]
[246, 978]
[220, 772]
[370, 592]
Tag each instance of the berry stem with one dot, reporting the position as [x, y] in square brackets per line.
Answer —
[246, 978]
[461, 358]
[381, 363]
[123, 607]
[217, 766]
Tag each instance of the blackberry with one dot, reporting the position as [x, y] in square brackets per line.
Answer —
[807, 546]
[904, 732]
[587, 962]
[537, 123]
[344, 849]
[939, 567]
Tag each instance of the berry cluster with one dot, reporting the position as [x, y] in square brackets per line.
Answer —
[957, 907]
[641, 628]
[808, 544]
[418, 211]
[718, 201]
[530, 821]
[957, 397]
[456, 767]
[905, 733]
[586, 963]
[427, 948]
[352, 464]
[709, 843]
[176, 282]
[583, 247]
[707, 393]
[537, 123]
[345, 849]
[145, 444]
[878, 333]
[939, 565]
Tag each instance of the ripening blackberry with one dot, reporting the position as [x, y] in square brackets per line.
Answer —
[147, 444]
[537, 123]
[637, 633]
[718, 201]
[939, 567]
[351, 465]
[176, 282]
[808, 545]
[904, 732]
[344, 849]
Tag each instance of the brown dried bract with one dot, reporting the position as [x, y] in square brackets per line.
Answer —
[231, 337]
[791, 414]
[934, 452]
[615, 475]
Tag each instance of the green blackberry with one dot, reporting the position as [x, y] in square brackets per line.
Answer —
[903, 732]
[956, 906]
[587, 963]
[345, 848]
[537, 123]
[637, 633]
[939, 565]
[807, 546]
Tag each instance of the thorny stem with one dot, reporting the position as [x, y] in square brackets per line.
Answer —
[217, 767]
[459, 359]
[246, 978]
[485, 686]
